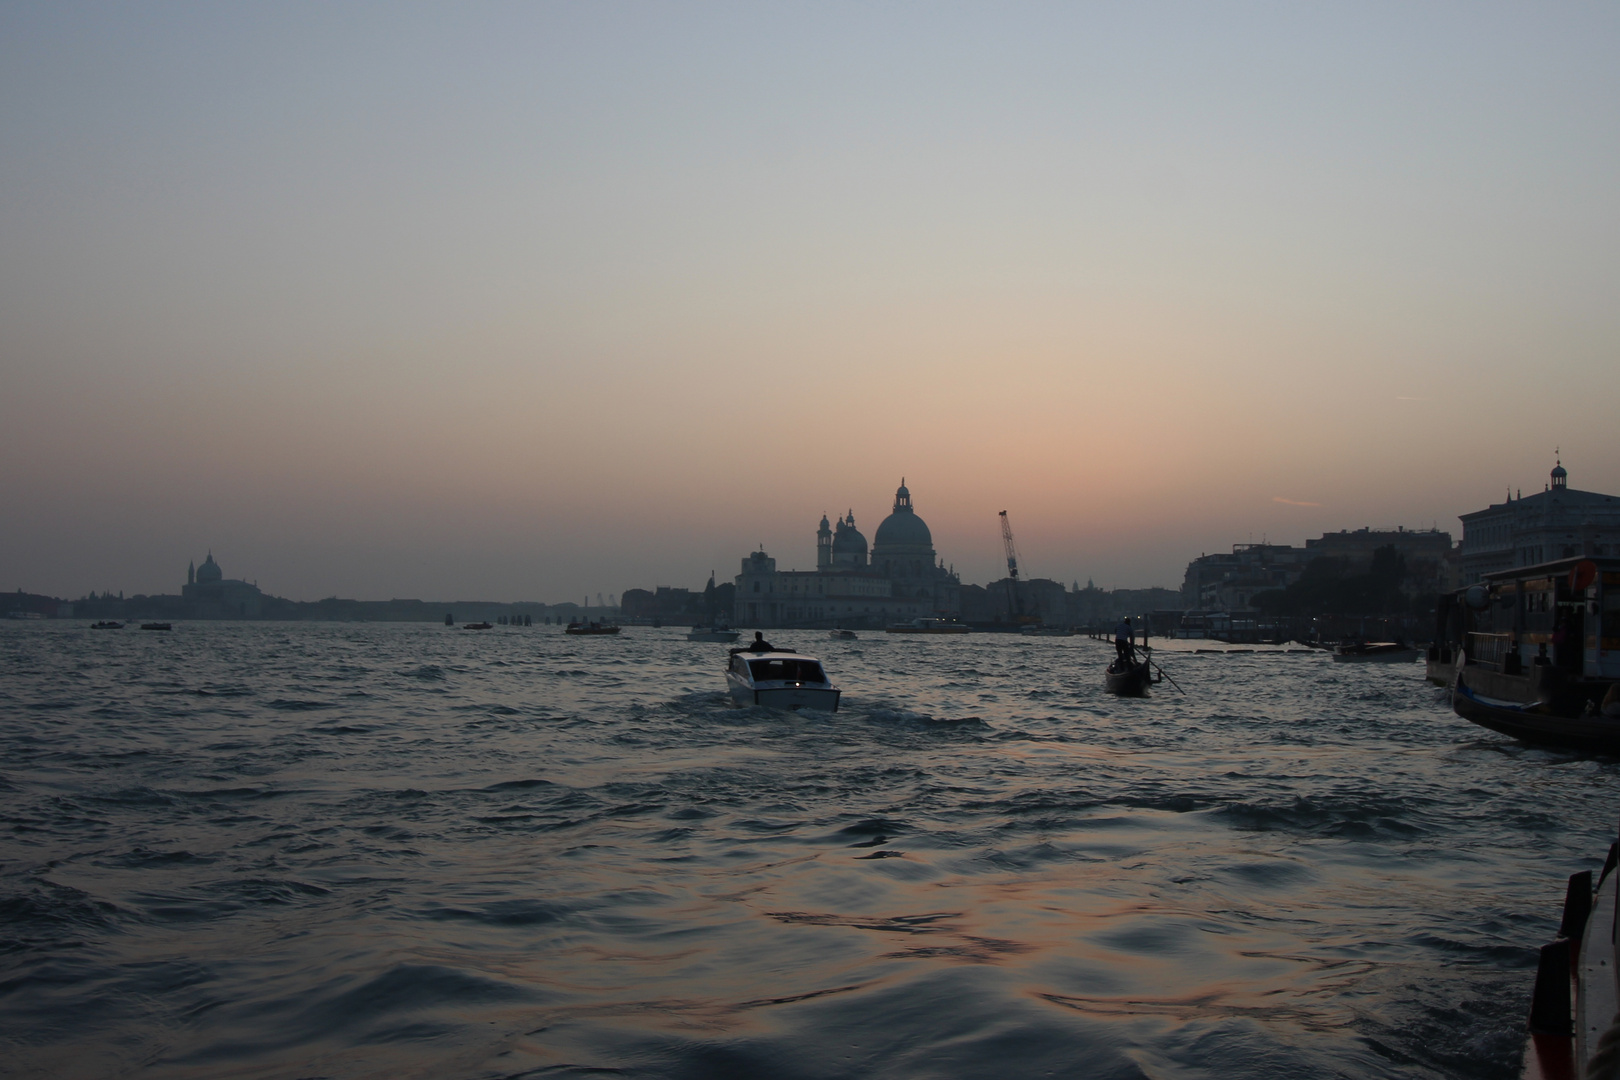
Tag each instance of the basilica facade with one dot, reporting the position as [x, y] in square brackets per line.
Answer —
[899, 579]
[214, 596]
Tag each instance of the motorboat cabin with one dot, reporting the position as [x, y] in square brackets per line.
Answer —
[780, 680]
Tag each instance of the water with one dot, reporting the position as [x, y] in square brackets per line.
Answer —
[341, 850]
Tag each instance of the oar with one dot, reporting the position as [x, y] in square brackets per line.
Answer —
[1164, 674]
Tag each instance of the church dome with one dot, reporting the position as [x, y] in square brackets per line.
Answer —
[903, 528]
[848, 539]
[209, 571]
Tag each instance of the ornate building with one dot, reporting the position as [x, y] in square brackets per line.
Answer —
[902, 578]
[214, 596]
[1557, 522]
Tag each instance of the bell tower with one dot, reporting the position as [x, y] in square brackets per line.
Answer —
[824, 538]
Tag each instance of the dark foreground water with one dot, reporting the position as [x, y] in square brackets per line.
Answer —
[389, 851]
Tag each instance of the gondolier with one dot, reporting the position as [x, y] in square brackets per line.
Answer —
[1123, 635]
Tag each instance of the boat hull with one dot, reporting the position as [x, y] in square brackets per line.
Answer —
[786, 698]
[1535, 724]
[1134, 681]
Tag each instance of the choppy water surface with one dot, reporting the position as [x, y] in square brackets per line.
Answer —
[361, 850]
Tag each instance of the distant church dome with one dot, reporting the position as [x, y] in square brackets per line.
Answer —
[847, 540]
[209, 572]
[1560, 475]
[903, 528]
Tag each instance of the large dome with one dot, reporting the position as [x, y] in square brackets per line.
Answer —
[209, 572]
[903, 528]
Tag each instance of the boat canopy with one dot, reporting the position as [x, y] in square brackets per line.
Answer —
[786, 669]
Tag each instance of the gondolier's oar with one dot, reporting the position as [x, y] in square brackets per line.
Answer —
[1162, 672]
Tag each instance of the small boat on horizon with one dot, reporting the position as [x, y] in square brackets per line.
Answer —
[928, 626]
[842, 635]
[477, 626]
[590, 628]
[106, 624]
[711, 633]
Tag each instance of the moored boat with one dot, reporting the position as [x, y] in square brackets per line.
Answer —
[778, 679]
[1388, 652]
[106, 624]
[1540, 658]
[591, 628]
[928, 626]
[477, 626]
[842, 635]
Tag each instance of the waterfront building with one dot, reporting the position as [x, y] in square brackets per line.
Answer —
[214, 596]
[901, 578]
[1426, 551]
[1557, 522]
[1227, 582]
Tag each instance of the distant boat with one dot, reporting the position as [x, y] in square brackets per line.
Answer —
[1047, 631]
[106, 625]
[711, 633]
[591, 628]
[1389, 652]
[928, 626]
[156, 626]
[24, 615]
[842, 635]
[477, 626]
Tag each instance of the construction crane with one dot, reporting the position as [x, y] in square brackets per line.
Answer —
[1012, 568]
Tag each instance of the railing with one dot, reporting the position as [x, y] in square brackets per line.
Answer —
[1490, 649]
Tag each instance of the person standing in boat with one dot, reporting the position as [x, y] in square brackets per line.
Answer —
[1123, 644]
[759, 644]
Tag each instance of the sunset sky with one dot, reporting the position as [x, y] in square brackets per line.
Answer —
[529, 301]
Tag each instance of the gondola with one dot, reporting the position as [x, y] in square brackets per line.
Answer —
[1130, 676]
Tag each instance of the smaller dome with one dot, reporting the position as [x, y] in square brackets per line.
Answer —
[1560, 475]
[848, 539]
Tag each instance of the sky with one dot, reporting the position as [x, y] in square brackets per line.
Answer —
[533, 301]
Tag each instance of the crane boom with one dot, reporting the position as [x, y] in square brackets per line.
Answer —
[1012, 564]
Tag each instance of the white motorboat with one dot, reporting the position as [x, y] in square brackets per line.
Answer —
[843, 635]
[711, 633]
[780, 680]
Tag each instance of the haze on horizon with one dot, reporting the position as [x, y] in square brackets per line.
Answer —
[520, 301]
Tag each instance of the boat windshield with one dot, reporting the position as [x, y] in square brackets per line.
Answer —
[786, 671]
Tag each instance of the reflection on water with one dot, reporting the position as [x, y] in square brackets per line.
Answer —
[351, 850]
